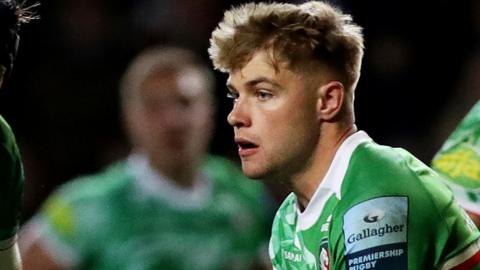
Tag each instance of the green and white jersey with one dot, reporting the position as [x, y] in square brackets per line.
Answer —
[11, 182]
[376, 208]
[459, 161]
[130, 217]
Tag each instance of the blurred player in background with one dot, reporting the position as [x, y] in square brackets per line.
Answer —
[169, 205]
[12, 16]
[355, 204]
[459, 161]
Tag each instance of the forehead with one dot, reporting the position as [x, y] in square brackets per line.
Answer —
[187, 82]
[261, 68]
[259, 62]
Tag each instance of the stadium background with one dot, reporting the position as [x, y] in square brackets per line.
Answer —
[420, 75]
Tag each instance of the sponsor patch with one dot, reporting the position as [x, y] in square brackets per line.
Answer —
[375, 234]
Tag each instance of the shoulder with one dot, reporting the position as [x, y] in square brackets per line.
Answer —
[111, 179]
[10, 162]
[7, 139]
[392, 179]
[82, 194]
[386, 160]
[5, 129]
[73, 202]
[387, 193]
[377, 170]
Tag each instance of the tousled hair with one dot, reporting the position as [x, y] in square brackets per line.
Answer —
[305, 37]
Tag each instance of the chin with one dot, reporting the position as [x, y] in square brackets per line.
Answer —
[253, 176]
[258, 173]
[253, 173]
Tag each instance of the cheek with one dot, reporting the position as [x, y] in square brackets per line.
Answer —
[287, 123]
[151, 129]
[202, 120]
[279, 130]
[135, 126]
[292, 132]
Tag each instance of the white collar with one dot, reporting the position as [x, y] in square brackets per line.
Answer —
[150, 182]
[332, 182]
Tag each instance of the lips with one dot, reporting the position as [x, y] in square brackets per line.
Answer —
[246, 147]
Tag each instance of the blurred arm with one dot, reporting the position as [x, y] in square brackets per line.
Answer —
[35, 255]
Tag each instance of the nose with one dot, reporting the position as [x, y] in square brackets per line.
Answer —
[238, 116]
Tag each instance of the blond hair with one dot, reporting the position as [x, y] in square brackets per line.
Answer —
[165, 59]
[305, 37]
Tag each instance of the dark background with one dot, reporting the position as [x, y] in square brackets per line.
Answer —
[420, 75]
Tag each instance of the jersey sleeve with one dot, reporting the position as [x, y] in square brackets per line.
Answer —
[58, 226]
[11, 182]
[460, 238]
[71, 221]
[385, 233]
[455, 234]
[399, 216]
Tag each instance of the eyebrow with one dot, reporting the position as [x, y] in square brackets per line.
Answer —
[255, 81]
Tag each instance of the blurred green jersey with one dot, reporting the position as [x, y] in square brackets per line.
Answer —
[459, 161]
[129, 217]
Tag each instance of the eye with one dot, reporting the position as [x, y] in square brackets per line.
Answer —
[232, 95]
[264, 95]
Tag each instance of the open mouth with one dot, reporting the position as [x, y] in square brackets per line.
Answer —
[245, 147]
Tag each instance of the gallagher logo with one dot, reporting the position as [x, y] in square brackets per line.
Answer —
[374, 216]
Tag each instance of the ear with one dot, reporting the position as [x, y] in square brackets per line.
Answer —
[330, 100]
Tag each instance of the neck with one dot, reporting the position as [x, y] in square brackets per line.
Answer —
[182, 176]
[305, 183]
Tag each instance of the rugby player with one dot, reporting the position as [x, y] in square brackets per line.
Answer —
[12, 15]
[354, 204]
